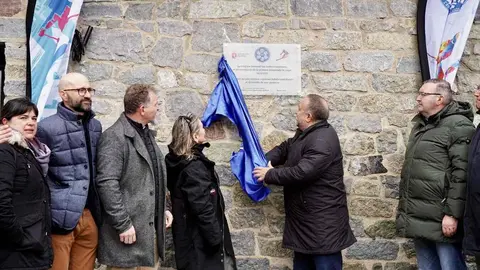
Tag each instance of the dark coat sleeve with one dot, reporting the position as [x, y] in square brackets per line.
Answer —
[458, 153]
[110, 160]
[278, 155]
[10, 228]
[316, 157]
[196, 187]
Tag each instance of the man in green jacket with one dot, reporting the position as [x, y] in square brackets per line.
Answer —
[433, 178]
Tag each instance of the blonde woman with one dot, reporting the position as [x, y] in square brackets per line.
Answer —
[200, 231]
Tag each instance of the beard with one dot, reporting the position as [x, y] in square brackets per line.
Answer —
[81, 107]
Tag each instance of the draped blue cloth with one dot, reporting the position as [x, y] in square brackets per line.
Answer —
[227, 100]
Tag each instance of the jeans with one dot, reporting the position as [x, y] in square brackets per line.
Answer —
[317, 262]
[439, 256]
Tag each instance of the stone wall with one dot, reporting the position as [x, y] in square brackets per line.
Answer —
[359, 54]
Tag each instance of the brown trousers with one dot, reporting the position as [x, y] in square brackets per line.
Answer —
[78, 249]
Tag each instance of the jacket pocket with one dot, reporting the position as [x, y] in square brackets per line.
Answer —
[33, 232]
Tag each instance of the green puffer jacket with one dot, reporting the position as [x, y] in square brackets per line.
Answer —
[434, 174]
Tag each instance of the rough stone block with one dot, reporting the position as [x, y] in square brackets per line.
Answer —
[383, 229]
[225, 175]
[472, 62]
[276, 223]
[221, 152]
[228, 198]
[138, 74]
[243, 243]
[12, 28]
[317, 25]
[285, 120]
[320, 61]
[166, 79]
[368, 61]
[273, 8]
[386, 103]
[94, 71]
[403, 8]
[174, 28]
[391, 41]
[311, 8]
[278, 25]
[305, 38]
[273, 139]
[109, 88]
[400, 266]
[242, 218]
[15, 72]
[253, 264]
[197, 81]
[367, 8]
[241, 199]
[205, 63]
[344, 82]
[219, 9]
[390, 83]
[337, 40]
[11, 7]
[140, 12]
[366, 188]
[181, 103]
[359, 144]
[409, 249]
[337, 122]
[387, 141]
[168, 52]
[277, 201]
[365, 123]
[354, 266]
[254, 29]
[357, 227]
[170, 9]
[394, 162]
[15, 88]
[340, 102]
[15, 50]
[373, 250]
[408, 64]
[101, 10]
[366, 165]
[116, 45]
[391, 185]
[273, 248]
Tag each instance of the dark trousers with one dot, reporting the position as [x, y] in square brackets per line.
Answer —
[317, 262]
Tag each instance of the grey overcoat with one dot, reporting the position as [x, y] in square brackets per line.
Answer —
[126, 185]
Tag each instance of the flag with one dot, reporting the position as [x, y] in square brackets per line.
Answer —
[227, 100]
[52, 28]
[443, 27]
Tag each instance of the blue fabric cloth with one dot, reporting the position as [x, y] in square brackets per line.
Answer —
[227, 100]
[436, 255]
[69, 167]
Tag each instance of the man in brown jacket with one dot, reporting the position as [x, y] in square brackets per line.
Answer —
[316, 220]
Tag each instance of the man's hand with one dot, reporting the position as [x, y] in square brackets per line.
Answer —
[260, 172]
[449, 226]
[168, 219]
[5, 133]
[128, 237]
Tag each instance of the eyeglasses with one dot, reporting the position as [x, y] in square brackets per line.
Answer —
[82, 91]
[423, 94]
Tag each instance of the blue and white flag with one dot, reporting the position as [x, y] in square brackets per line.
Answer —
[52, 30]
[227, 100]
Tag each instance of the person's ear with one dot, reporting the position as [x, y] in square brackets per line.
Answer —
[4, 121]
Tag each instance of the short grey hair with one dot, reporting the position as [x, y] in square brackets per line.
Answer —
[442, 87]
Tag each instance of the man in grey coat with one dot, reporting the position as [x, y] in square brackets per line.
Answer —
[131, 181]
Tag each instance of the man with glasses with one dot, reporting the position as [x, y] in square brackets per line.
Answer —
[433, 178]
[72, 135]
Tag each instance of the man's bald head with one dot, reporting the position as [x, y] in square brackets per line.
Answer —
[73, 81]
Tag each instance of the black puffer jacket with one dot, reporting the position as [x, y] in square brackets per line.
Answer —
[200, 229]
[316, 213]
[25, 219]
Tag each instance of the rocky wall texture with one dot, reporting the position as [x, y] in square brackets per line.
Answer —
[359, 54]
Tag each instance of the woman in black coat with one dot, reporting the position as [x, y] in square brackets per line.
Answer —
[200, 231]
[25, 220]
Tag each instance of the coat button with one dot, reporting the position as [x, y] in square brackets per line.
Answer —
[304, 201]
[44, 201]
[85, 166]
[85, 188]
[151, 223]
[152, 193]
[221, 260]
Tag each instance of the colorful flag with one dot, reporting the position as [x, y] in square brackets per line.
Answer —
[443, 27]
[52, 28]
[227, 100]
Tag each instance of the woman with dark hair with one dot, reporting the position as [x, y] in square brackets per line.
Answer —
[24, 195]
[200, 231]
